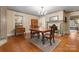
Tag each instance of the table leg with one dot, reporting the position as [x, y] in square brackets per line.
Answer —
[38, 35]
[31, 34]
[43, 41]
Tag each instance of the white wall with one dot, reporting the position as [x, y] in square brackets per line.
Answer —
[61, 15]
[42, 22]
[3, 26]
[27, 20]
[3, 23]
[76, 13]
[44, 19]
[11, 21]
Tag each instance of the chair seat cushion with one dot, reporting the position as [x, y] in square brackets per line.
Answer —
[47, 33]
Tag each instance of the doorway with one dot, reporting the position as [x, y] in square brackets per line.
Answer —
[74, 26]
[74, 23]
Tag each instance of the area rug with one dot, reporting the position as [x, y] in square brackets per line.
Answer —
[46, 47]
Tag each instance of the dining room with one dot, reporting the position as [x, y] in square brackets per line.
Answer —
[39, 28]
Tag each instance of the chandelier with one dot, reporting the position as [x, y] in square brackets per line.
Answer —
[43, 11]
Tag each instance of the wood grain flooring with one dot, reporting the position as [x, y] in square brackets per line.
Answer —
[69, 43]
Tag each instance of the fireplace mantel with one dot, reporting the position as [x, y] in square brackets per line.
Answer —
[57, 23]
[53, 22]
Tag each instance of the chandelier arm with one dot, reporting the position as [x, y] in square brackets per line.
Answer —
[42, 12]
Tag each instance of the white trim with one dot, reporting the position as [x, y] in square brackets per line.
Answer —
[27, 32]
[3, 41]
[10, 34]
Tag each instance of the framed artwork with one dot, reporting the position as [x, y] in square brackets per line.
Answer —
[53, 18]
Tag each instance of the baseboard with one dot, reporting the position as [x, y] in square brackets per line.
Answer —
[3, 41]
[27, 32]
[10, 34]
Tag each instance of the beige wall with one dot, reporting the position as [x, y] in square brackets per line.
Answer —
[3, 23]
[11, 21]
[27, 19]
[74, 13]
[44, 19]
[42, 22]
[3, 26]
[61, 15]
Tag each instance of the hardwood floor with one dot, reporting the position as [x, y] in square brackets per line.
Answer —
[18, 44]
[69, 43]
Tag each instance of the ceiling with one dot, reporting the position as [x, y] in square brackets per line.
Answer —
[34, 10]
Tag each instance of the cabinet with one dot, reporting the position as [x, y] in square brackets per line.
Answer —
[19, 29]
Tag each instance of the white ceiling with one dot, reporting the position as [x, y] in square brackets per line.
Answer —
[34, 10]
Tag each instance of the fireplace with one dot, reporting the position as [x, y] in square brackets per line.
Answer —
[57, 23]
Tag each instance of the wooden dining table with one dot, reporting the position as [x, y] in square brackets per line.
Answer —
[40, 30]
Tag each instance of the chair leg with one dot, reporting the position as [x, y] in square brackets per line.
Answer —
[53, 40]
[50, 42]
[43, 41]
[38, 35]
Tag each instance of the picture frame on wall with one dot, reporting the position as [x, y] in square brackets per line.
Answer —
[53, 18]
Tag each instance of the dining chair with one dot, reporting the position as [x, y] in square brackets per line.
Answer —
[34, 33]
[50, 36]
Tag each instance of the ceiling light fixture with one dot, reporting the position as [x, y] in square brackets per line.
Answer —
[43, 11]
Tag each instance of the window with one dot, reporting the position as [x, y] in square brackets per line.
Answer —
[18, 19]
